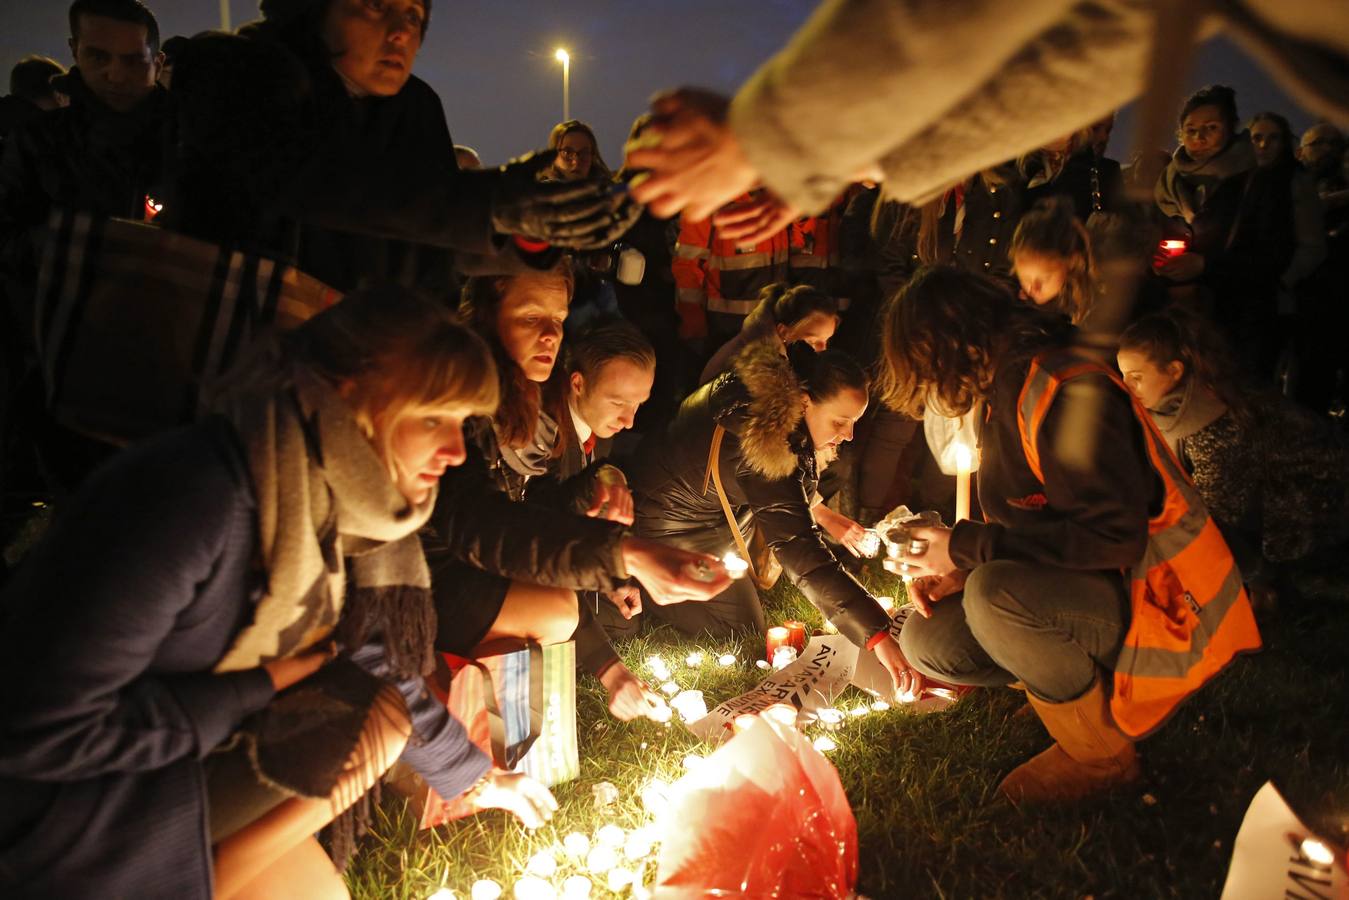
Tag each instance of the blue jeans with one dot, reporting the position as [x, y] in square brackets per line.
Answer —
[1047, 627]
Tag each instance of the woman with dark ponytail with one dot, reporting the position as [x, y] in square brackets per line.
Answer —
[791, 314]
[767, 426]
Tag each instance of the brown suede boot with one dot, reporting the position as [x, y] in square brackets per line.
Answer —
[1090, 755]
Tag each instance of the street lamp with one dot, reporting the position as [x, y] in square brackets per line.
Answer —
[225, 15]
[564, 57]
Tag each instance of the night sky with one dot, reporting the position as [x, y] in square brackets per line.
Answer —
[492, 61]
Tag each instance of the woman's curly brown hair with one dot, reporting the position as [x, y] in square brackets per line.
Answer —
[945, 334]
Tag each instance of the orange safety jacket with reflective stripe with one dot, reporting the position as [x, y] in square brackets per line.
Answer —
[720, 276]
[1191, 615]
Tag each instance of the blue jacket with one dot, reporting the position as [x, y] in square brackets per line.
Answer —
[108, 704]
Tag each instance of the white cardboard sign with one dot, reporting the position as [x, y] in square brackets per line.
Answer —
[1269, 861]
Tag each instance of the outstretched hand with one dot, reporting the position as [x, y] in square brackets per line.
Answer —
[673, 575]
[517, 793]
[694, 162]
[756, 219]
[629, 697]
[580, 215]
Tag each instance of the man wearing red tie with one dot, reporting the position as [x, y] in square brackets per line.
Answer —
[611, 368]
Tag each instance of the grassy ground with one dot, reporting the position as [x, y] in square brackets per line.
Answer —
[923, 787]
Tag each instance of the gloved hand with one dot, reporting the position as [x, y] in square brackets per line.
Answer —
[576, 215]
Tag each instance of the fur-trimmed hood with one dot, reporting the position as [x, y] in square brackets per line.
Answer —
[763, 408]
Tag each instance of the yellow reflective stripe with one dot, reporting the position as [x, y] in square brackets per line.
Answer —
[691, 251]
[807, 261]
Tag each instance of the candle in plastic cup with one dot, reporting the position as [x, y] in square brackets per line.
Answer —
[783, 713]
[735, 565]
[870, 544]
[886, 603]
[829, 717]
[690, 705]
[783, 657]
[798, 635]
[778, 636]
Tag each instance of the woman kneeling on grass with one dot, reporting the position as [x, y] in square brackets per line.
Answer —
[775, 418]
[219, 647]
[1074, 492]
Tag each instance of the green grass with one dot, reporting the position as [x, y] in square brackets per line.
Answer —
[923, 788]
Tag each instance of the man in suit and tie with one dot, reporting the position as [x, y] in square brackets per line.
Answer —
[611, 368]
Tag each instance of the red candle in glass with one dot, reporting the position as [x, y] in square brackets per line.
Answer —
[797, 636]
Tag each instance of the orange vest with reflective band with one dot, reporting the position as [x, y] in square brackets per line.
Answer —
[723, 276]
[1191, 615]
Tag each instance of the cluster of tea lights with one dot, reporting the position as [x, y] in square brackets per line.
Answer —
[614, 857]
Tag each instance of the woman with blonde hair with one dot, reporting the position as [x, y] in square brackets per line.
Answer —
[219, 647]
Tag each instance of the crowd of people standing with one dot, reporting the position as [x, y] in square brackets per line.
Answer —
[543, 411]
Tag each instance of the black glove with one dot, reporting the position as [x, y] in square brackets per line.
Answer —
[575, 215]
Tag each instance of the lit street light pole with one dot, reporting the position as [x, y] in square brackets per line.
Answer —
[563, 57]
[225, 15]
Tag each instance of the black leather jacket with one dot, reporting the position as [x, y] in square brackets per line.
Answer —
[767, 464]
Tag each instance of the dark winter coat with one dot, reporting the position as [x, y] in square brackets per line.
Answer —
[108, 702]
[1094, 185]
[767, 464]
[84, 156]
[484, 518]
[274, 153]
[993, 206]
[1093, 517]
[1242, 225]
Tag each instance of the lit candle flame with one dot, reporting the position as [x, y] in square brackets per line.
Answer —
[1317, 852]
[734, 564]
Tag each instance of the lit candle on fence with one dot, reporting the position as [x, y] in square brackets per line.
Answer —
[778, 636]
[798, 635]
[964, 465]
[735, 565]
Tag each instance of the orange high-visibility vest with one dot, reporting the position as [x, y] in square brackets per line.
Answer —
[1191, 615]
[723, 276]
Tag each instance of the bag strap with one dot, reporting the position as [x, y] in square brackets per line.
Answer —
[714, 473]
[508, 756]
